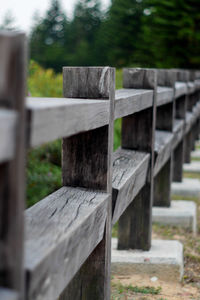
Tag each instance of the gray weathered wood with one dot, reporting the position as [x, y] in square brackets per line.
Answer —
[88, 83]
[12, 91]
[165, 117]
[90, 165]
[188, 146]
[6, 294]
[162, 190]
[61, 232]
[136, 78]
[8, 122]
[53, 118]
[180, 89]
[138, 134]
[181, 107]
[164, 95]
[163, 147]
[129, 101]
[178, 160]
[178, 132]
[129, 176]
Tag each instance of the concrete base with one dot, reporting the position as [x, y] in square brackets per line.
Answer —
[195, 154]
[181, 213]
[189, 187]
[193, 167]
[164, 260]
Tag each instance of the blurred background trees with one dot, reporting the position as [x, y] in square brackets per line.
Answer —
[133, 32]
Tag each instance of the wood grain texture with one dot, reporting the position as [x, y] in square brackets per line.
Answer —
[129, 101]
[130, 235]
[53, 118]
[88, 82]
[190, 119]
[8, 122]
[93, 155]
[142, 137]
[136, 78]
[6, 294]
[129, 176]
[138, 132]
[12, 92]
[61, 231]
[162, 185]
[163, 147]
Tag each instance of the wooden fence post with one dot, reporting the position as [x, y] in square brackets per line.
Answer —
[178, 154]
[87, 162]
[12, 92]
[165, 122]
[138, 134]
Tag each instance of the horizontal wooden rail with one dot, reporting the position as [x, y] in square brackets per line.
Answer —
[8, 122]
[53, 118]
[129, 176]
[163, 146]
[129, 101]
[180, 89]
[61, 232]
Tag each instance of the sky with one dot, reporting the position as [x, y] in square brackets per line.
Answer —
[23, 10]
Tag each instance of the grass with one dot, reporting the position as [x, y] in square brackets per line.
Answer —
[120, 291]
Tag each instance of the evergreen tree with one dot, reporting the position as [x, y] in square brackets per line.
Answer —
[120, 31]
[49, 38]
[171, 34]
[83, 31]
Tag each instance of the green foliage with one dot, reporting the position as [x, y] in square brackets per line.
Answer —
[44, 83]
[170, 34]
[136, 289]
[43, 171]
[49, 37]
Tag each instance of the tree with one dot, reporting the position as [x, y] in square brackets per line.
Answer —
[49, 37]
[83, 31]
[120, 31]
[8, 22]
[171, 34]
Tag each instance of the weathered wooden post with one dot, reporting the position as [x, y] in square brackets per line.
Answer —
[87, 162]
[164, 123]
[12, 162]
[138, 132]
[180, 114]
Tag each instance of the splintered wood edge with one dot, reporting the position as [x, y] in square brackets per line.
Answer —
[61, 232]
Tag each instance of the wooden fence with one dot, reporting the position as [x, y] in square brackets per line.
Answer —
[66, 251]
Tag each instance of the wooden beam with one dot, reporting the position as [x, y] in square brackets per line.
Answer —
[89, 164]
[8, 123]
[12, 184]
[53, 118]
[62, 230]
[129, 176]
[139, 135]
